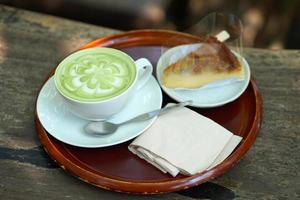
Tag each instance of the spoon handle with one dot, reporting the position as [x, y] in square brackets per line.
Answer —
[157, 112]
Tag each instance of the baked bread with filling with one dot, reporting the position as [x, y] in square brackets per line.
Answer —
[212, 61]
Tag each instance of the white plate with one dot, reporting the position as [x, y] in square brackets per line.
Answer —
[215, 95]
[64, 126]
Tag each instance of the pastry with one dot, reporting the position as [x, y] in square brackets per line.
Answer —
[212, 61]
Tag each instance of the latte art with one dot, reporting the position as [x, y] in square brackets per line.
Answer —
[94, 77]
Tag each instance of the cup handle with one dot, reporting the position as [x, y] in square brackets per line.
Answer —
[144, 71]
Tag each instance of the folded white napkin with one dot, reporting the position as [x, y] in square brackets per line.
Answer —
[183, 141]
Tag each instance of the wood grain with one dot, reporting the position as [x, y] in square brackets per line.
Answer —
[32, 44]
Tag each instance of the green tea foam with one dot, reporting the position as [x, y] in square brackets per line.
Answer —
[95, 74]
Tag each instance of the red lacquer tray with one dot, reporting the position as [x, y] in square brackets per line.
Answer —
[115, 168]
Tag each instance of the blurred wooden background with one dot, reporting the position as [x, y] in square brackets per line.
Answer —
[272, 24]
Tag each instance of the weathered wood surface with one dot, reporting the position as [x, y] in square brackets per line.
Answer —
[32, 44]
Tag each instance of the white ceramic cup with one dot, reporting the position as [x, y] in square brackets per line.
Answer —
[103, 109]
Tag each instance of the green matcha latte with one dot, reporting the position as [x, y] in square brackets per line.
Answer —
[95, 74]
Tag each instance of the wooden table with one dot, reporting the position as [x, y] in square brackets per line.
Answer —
[32, 44]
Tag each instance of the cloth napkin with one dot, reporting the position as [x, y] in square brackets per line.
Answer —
[183, 141]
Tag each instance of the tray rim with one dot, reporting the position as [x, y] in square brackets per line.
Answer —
[132, 38]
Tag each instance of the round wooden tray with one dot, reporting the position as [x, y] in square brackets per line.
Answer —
[115, 168]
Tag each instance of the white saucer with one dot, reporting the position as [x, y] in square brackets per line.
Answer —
[227, 91]
[66, 127]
